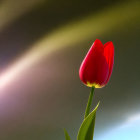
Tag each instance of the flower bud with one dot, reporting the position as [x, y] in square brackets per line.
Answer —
[97, 65]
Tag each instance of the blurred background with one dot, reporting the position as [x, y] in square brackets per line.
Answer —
[42, 45]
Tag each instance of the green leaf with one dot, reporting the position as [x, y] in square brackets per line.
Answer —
[67, 137]
[86, 130]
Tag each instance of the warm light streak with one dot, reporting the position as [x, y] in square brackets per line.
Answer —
[76, 32]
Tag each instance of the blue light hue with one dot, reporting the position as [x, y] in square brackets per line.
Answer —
[128, 131]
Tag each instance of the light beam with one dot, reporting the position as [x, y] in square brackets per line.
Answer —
[74, 33]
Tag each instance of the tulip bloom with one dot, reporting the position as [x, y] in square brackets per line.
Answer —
[97, 66]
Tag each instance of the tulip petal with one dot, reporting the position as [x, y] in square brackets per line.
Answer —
[94, 69]
[109, 55]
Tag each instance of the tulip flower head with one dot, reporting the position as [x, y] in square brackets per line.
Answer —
[97, 65]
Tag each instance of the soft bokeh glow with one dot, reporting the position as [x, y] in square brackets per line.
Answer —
[69, 35]
[127, 131]
[134, 118]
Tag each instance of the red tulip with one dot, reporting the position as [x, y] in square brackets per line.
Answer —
[97, 66]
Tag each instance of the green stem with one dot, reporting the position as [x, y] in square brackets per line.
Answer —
[89, 102]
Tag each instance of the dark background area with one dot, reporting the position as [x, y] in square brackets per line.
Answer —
[37, 102]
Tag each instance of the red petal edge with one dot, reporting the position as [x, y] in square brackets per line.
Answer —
[109, 55]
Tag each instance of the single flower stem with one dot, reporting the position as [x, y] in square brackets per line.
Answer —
[89, 102]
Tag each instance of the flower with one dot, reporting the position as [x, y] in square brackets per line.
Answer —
[97, 65]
